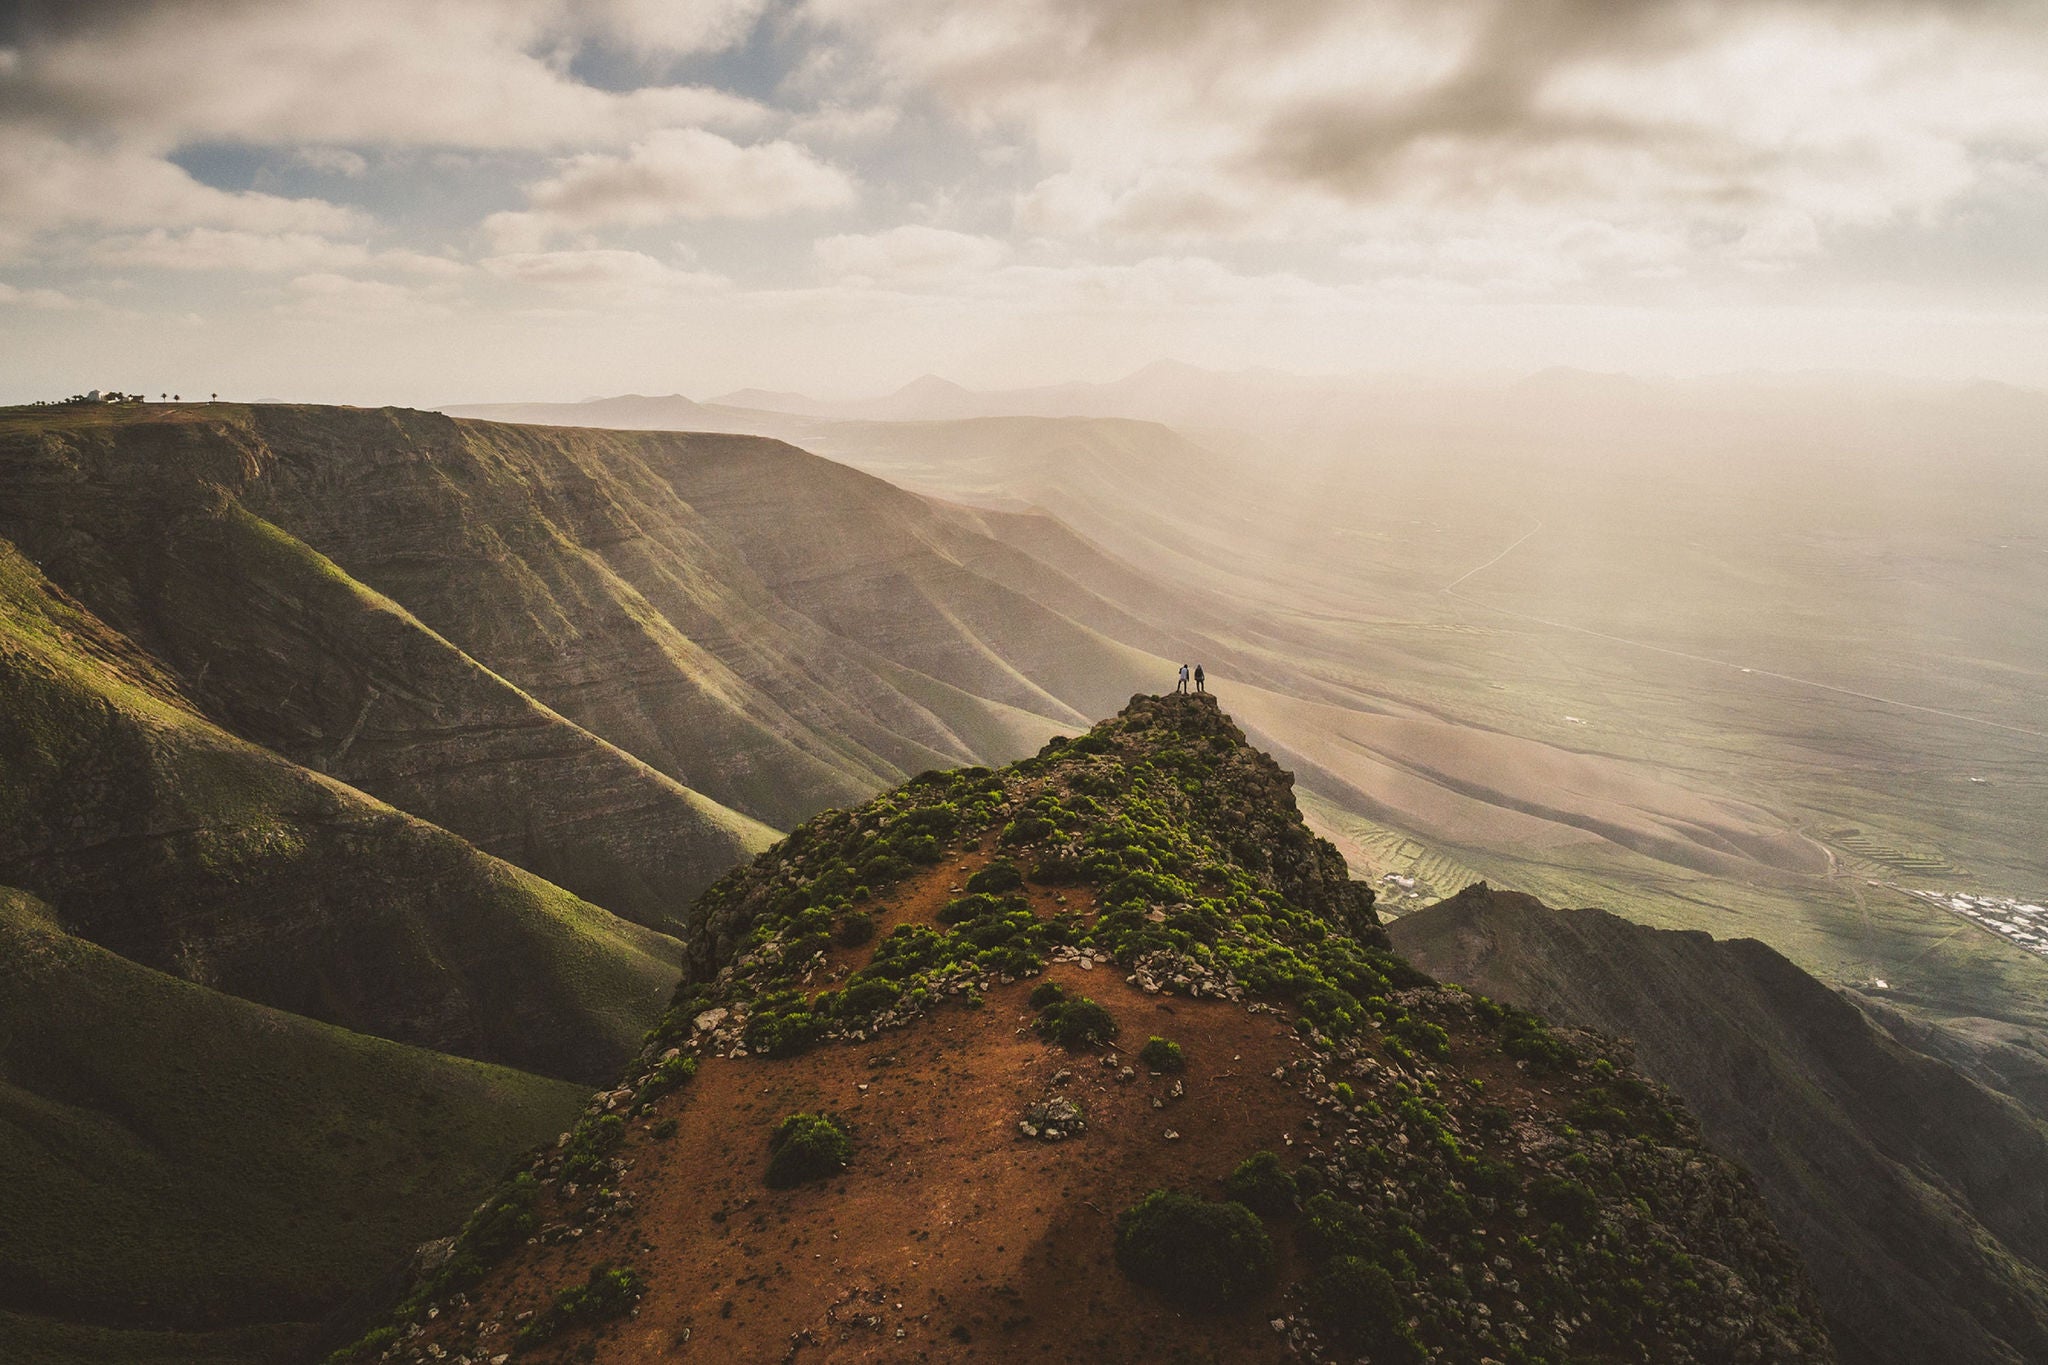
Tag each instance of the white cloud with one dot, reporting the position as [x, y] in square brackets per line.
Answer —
[335, 161]
[607, 277]
[677, 174]
[911, 255]
[273, 253]
[1482, 130]
[47, 184]
[466, 73]
[13, 297]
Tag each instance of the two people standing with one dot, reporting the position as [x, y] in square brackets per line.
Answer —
[1201, 684]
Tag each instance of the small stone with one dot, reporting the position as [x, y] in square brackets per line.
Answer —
[1172, 1135]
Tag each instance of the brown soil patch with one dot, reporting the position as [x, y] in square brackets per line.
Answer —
[951, 1237]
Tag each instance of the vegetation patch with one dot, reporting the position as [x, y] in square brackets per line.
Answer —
[1162, 1054]
[806, 1147]
[1357, 1301]
[1197, 1252]
[1262, 1184]
[1077, 1023]
[609, 1292]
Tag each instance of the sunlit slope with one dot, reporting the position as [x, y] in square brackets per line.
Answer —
[736, 646]
[188, 1176]
[153, 833]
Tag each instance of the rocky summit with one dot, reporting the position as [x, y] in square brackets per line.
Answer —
[1102, 1057]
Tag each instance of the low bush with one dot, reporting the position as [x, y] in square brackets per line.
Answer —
[1262, 1185]
[1077, 1023]
[1028, 829]
[807, 1147]
[1197, 1252]
[961, 909]
[856, 928]
[1047, 993]
[1161, 1054]
[1356, 1301]
[1000, 875]
[609, 1292]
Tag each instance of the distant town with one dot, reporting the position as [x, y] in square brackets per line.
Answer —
[2023, 922]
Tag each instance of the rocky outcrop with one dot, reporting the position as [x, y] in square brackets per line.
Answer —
[1915, 1194]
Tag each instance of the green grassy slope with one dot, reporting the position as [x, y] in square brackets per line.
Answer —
[185, 1176]
[285, 649]
[155, 834]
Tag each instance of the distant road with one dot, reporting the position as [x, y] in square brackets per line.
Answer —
[1495, 560]
[1451, 590]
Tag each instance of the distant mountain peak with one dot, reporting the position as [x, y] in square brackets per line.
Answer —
[932, 386]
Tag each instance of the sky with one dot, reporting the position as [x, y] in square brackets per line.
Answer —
[439, 201]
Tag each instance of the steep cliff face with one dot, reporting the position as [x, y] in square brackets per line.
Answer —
[1102, 1056]
[1914, 1193]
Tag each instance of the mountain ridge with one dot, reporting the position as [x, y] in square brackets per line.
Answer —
[1159, 864]
[1912, 1191]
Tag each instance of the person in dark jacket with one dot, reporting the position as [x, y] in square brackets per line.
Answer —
[1199, 687]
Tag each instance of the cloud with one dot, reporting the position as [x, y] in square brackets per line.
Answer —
[677, 174]
[607, 277]
[341, 298]
[463, 73]
[47, 184]
[270, 253]
[49, 299]
[1708, 136]
[334, 161]
[670, 28]
[910, 255]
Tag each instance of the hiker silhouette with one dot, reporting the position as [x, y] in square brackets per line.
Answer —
[1199, 684]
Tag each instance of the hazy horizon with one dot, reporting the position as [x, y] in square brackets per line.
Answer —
[385, 203]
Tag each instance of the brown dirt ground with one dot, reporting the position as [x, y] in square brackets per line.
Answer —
[950, 1237]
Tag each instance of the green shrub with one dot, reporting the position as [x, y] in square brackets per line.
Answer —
[784, 1035]
[1058, 868]
[1161, 1054]
[964, 908]
[1199, 1253]
[1047, 993]
[665, 1077]
[664, 1130]
[1565, 1201]
[1000, 875]
[863, 998]
[1356, 1301]
[1261, 1185]
[591, 1142]
[1027, 829]
[856, 927]
[1077, 1023]
[609, 1292]
[807, 1147]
